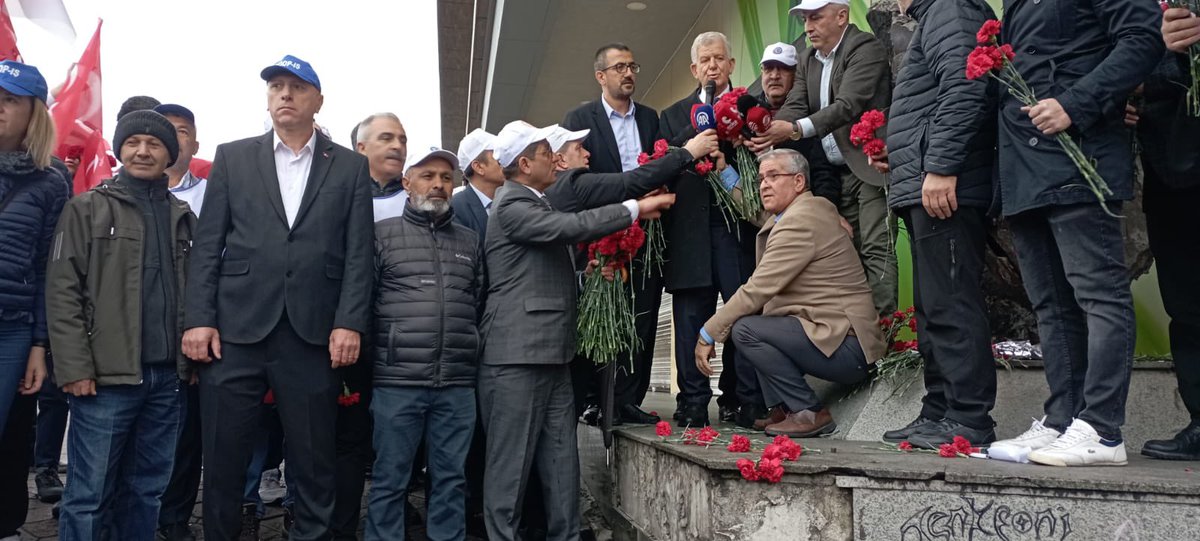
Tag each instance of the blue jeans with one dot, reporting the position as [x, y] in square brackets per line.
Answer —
[1072, 260]
[16, 337]
[446, 418]
[120, 450]
[52, 405]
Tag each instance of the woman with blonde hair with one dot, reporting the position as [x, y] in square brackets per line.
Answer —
[32, 194]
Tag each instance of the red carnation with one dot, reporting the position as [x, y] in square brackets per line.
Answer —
[885, 322]
[707, 435]
[981, 62]
[905, 446]
[660, 148]
[790, 449]
[703, 167]
[771, 469]
[663, 429]
[643, 158]
[988, 32]
[748, 469]
[772, 451]
[739, 444]
[911, 309]
[1007, 51]
[689, 436]
[947, 450]
[874, 119]
[348, 399]
[912, 324]
[270, 397]
[874, 147]
[963, 445]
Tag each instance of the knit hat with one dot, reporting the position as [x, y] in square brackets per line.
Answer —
[147, 122]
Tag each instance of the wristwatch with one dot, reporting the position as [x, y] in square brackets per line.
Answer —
[796, 134]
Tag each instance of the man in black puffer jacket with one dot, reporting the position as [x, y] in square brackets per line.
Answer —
[428, 275]
[941, 143]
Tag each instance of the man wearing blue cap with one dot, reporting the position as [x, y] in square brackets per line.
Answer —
[279, 298]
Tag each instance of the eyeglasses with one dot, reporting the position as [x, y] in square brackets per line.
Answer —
[623, 67]
[764, 178]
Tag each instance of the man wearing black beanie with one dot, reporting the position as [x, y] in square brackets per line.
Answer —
[115, 317]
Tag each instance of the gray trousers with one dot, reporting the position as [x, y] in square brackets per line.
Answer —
[865, 207]
[529, 419]
[781, 354]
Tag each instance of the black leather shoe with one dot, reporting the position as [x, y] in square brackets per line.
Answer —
[250, 523]
[591, 415]
[1184, 446]
[176, 532]
[694, 416]
[933, 435]
[630, 413]
[902, 434]
[727, 414]
[749, 413]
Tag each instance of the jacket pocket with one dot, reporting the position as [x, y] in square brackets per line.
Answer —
[545, 304]
[233, 267]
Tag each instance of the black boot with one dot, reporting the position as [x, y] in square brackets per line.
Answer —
[1184, 446]
[694, 416]
[749, 413]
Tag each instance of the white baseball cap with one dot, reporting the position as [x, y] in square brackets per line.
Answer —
[813, 5]
[515, 137]
[433, 152]
[562, 136]
[474, 144]
[782, 53]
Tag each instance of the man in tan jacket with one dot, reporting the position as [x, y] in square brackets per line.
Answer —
[817, 314]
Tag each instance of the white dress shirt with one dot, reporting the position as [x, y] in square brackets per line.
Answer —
[806, 126]
[293, 168]
[625, 129]
[483, 198]
[191, 190]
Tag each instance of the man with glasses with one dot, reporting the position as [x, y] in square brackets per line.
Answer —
[618, 130]
[817, 317]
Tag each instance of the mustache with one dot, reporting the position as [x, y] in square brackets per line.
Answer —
[395, 154]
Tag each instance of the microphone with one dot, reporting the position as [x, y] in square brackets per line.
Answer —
[758, 119]
[745, 102]
[702, 117]
[710, 91]
[729, 121]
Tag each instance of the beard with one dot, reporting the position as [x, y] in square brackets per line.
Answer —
[436, 207]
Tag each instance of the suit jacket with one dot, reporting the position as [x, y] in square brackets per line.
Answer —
[808, 269]
[686, 225]
[530, 313]
[248, 268]
[469, 211]
[602, 142]
[579, 189]
[861, 81]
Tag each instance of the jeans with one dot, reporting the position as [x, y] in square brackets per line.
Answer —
[952, 322]
[264, 456]
[52, 406]
[446, 418]
[16, 338]
[120, 448]
[1072, 260]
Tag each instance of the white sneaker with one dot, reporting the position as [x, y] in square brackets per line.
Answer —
[1018, 448]
[1080, 445]
[271, 488]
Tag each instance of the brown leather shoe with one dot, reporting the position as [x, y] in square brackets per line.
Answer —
[776, 415]
[805, 424]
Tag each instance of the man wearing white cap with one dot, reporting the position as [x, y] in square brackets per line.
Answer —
[850, 69]
[528, 330]
[483, 175]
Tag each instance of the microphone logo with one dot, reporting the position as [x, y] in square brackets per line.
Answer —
[702, 118]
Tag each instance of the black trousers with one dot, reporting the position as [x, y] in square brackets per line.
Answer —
[633, 374]
[179, 499]
[231, 393]
[693, 307]
[1171, 224]
[15, 458]
[953, 335]
[353, 436]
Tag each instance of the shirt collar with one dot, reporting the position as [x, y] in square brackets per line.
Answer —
[188, 181]
[532, 189]
[483, 198]
[309, 146]
[611, 112]
[827, 59]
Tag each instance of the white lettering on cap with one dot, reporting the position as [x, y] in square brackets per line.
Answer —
[9, 69]
[288, 64]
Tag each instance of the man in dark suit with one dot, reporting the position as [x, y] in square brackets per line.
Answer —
[705, 256]
[844, 74]
[482, 176]
[529, 335]
[279, 297]
[620, 129]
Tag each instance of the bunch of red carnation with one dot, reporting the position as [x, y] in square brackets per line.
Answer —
[705, 436]
[617, 250]
[960, 446]
[660, 149]
[769, 467]
[348, 398]
[862, 134]
[606, 318]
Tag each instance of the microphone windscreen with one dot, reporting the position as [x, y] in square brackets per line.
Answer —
[729, 121]
[710, 91]
[759, 119]
[702, 117]
[745, 102]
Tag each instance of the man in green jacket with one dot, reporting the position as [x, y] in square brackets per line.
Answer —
[115, 313]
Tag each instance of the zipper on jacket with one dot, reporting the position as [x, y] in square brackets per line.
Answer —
[441, 288]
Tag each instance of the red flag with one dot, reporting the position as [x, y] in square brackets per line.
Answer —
[78, 116]
[8, 38]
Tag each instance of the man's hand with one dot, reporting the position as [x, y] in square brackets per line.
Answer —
[197, 342]
[1131, 115]
[1180, 29]
[83, 387]
[702, 144]
[938, 196]
[605, 271]
[880, 162]
[1048, 116]
[651, 207]
[343, 347]
[704, 352]
[35, 371]
[778, 132]
[846, 225]
[718, 159]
